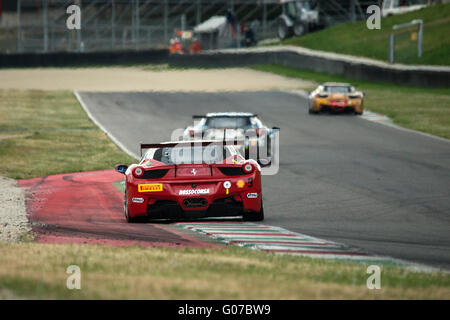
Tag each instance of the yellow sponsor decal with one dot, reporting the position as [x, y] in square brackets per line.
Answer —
[152, 187]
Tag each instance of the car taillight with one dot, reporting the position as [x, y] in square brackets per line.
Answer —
[138, 172]
[248, 168]
[259, 132]
[191, 133]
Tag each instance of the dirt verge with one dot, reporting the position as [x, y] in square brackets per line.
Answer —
[141, 79]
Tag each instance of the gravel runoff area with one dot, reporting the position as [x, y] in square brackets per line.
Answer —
[13, 215]
[146, 79]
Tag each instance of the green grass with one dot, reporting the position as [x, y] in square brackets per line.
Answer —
[47, 132]
[356, 39]
[34, 270]
[423, 109]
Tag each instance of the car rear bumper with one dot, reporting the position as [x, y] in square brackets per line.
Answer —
[225, 207]
[345, 109]
[349, 105]
[216, 201]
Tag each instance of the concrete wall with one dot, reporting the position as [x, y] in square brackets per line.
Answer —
[353, 68]
[61, 59]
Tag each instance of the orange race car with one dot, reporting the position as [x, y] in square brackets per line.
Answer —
[184, 42]
[336, 97]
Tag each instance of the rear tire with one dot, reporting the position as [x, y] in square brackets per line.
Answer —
[254, 216]
[126, 212]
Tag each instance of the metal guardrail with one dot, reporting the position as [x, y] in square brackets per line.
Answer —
[320, 61]
[418, 22]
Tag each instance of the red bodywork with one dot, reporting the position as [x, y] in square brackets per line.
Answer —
[179, 193]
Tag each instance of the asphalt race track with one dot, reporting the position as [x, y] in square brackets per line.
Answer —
[341, 178]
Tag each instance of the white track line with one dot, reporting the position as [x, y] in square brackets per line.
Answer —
[111, 136]
[256, 239]
[296, 244]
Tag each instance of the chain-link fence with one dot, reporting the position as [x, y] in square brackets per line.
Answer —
[40, 25]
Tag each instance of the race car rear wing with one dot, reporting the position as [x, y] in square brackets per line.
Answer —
[193, 143]
[224, 116]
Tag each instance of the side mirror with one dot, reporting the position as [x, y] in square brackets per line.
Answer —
[121, 168]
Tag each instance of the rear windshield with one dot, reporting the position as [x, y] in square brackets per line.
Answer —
[196, 154]
[337, 89]
[228, 122]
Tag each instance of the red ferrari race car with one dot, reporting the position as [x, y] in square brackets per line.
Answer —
[192, 179]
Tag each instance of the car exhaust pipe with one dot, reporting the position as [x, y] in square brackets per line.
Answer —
[194, 202]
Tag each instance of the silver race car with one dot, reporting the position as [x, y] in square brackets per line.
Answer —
[234, 126]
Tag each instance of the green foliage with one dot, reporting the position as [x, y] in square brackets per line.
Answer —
[356, 39]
